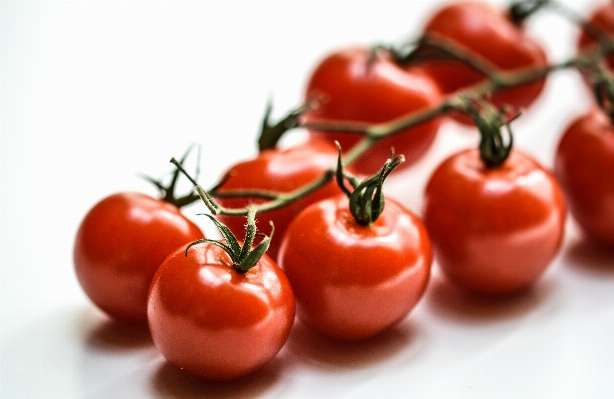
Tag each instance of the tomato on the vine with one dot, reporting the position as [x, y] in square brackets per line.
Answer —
[360, 85]
[214, 319]
[491, 36]
[602, 19]
[494, 230]
[281, 171]
[584, 164]
[354, 280]
[120, 244]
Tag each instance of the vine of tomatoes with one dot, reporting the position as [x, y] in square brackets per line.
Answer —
[349, 263]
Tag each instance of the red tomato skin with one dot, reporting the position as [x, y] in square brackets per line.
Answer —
[352, 282]
[120, 244]
[215, 323]
[494, 231]
[491, 35]
[602, 17]
[352, 88]
[584, 163]
[279, 171]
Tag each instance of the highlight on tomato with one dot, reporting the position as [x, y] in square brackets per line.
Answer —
[358, 84]
[494, 215]
[122, 241]
[495, 38]
[219, 310]
[357, 267]
[584, 162]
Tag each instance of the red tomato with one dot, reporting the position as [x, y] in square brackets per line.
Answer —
[603, 18]
[584, 164]
[354, 87]
[352, 281]
[493, 230]
[492, 36]
[119, 246]
[214, 322]
[280, 171]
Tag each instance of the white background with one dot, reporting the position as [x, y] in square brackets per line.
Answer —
[94, 93]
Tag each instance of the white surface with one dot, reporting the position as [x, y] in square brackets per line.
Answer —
[94, 93]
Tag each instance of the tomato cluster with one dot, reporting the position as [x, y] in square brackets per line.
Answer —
[346, 261]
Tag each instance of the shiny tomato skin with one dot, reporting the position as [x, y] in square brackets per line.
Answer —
[603, 18]
[584, 163]
[489, 34]
[494, 231]
[215, 323]
[352, 282]
[353, 87]
[279, 171]
[120, 244]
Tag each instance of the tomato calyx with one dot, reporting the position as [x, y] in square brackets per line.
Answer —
[167, 193]
[270, 134]
[519, 11]
[366, 197]
[243, 256]
[489, 121]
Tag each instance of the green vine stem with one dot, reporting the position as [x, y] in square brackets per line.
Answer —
[374, 132]
[277, 200]
[244, 257]
[433, 47]
[596, 32]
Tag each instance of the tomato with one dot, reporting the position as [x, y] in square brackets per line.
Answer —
[602, 18]
[352, 281]
[353, 86]
[494, 230]
[279, 171]
[492, 36]
[214, 322]
[120, 244]
[584, 163]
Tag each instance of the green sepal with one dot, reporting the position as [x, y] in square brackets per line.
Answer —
[233, 244]
[253, 256]
[367, 197]
[270, 134]
[167, 193]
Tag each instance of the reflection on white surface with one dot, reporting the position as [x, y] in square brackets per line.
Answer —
[94, 93]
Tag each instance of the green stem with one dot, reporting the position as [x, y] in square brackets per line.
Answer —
[375, 132]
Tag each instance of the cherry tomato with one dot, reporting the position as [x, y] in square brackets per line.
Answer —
[352, 281]
[492, 36]
[279, 171]
[119, 246]
[602, 18]
[352, 85]
[494, 230]
[584, 164]
[214, 322]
